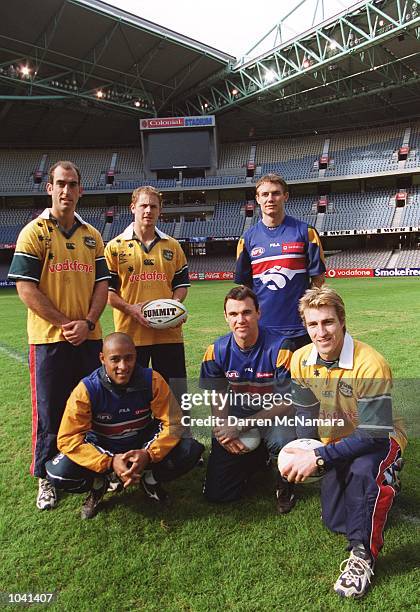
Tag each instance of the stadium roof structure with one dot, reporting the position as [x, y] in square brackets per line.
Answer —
[81, 72]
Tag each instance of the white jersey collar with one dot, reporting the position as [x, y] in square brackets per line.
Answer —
[47, 213]
[128, 233]
[346, 356]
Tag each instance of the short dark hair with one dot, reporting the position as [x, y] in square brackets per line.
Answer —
[241, 293]
[67, 165]
[272, 178]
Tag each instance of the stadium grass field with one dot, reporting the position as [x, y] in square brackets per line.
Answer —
[194, 556]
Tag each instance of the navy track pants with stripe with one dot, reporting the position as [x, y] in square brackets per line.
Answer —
[55, 369]
[357, 495]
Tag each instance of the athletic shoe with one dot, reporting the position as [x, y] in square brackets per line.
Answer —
[393, 477]
[355, 578]
[91, 503]
[47, 496]
[155, 492]
[285, 496]
[114, 484]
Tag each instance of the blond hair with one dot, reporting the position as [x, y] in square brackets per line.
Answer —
[146, 189]
[272, 178]
[322, 296]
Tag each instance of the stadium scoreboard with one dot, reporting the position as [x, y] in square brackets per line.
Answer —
[179, 144]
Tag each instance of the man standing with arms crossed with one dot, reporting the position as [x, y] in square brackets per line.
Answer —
[146, 264]
[279, 258]
[61, 276]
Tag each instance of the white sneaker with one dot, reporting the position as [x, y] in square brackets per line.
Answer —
[356, 576]
[114, 483]
[47, 496]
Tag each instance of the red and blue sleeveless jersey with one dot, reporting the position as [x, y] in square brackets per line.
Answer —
[278, 263]
[264, 368]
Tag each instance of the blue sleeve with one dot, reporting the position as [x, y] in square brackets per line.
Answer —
[350, 447]
[306, 408]
[315, 254]
[243, 269]
[212, 375]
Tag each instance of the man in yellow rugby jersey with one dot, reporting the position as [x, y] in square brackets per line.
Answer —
[343, 388]
[61, 276]
[146, 264]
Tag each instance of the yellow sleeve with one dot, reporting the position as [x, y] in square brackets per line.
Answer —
[165, 408]
[31, 240]
[75, 424]
[240, 247]
[111, 258]
[99, 243]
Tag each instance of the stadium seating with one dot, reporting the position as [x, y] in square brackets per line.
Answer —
[209, 263]
[11, 222]
[408, 258]
[349, 153]
[359, 258]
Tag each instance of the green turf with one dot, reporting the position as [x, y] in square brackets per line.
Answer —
[195, 556]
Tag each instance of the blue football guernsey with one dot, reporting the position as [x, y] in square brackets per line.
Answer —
[277, 263]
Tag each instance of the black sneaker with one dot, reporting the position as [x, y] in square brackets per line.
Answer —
[285, 496]
[155, 492]
[91, 503]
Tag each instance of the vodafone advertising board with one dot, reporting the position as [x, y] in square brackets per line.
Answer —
[349, 272]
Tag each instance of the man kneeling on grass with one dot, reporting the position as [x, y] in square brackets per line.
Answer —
[342, 387]
[121, 419]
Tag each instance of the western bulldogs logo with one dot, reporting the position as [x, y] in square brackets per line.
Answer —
[275, 278]
[257, 251]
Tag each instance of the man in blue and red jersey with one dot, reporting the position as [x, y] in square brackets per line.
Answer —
[124, 419]
[249, 369]
[346, 385]
[279, 258]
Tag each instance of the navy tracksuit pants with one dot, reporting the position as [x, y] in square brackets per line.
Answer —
[357, 495]
[55, 369]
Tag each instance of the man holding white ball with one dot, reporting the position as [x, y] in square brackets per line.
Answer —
[343, 387]
[147, 264]
[249, 371]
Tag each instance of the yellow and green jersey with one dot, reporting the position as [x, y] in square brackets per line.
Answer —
[355, 389]
[65, 265]
[140, 274]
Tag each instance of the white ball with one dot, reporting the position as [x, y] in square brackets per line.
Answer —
[251, 438]
[164, 313]
[304, 444]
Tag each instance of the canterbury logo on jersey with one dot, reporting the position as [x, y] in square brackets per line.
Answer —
[148, 276]
[70, 266]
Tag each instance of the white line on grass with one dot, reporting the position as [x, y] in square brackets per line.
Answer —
[10, 353]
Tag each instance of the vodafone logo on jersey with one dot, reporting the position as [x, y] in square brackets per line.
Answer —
[293, 247]
[70, 266]
[148, 276]
[257, 251]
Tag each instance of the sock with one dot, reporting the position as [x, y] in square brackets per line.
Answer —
[149, 478]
